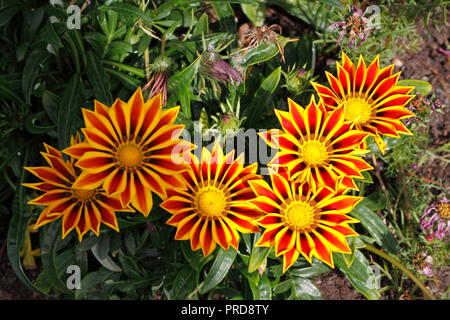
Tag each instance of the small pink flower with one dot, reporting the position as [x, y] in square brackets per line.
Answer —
[435, 221]
[424, 264]
[355, 27]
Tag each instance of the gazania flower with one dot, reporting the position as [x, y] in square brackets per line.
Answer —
[132, 149]
[316, 146]
[299, 220]
[215, 206]
[436, 220]
[80, 209]
[372, 100]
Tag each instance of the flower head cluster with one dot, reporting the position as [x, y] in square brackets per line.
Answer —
[320, 155]
[131, 150]
[435, 221]
[355, 27]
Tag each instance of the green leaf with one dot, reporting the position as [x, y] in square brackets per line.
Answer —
[421, 86]
[263, 52]
[226, 16]
[259, 103]
[180, 86]
[70, 107]
[133, 70]
[314, 270]
[128, 10]
[7, 14]
[333, 3]
[360, 274]
[31, 71]
[258, 257]
[195, 258]
[130, 267]
[304, 289]
[128, 81]
[16, 232]
[264, 288]
[184, 282]
[105, 260]
[255, 13]
[50, 36]
[7, 91]
[32, 127]
[219, 269]
[375, 226]
[50, 240]
[282, 286]
[202, 26]
[98, 79]
[90, 282]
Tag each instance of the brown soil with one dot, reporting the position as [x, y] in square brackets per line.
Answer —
[335, 286]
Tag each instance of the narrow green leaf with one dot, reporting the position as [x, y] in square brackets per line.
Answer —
[128, 10]
[226, 16]
[255, 13]
[360, 274]
[202, 26]
[16, 232]
[264, 288]
[258, 256]
[91, 281]
[128, 81]
[304, 289]
[133, 70]
[8, 93]
[50, 36]
[106, 261]
[375, 226]
[31, 71]
[32, 127]
[282, 286]
[314, 270]
[262, 95]
[98, 79]
[263, 52]
[70, 107]
[195, 258]
[130, 267]
[50, 239]
[421, 86]
[180, 86]
[219, 269]
[184, 282]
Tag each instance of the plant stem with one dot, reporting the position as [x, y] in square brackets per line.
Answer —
[426, 293]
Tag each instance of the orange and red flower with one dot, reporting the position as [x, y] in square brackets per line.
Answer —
[131, 150]
[317, 146]
[299, 220]
[80, 209]
[372, 100]
[214, 206]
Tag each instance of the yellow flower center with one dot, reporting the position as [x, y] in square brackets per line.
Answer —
[210, 202]
[83, 195]
[444, 210]
[130, 155]
[314, 152]
[299, 215]
[357, 110]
